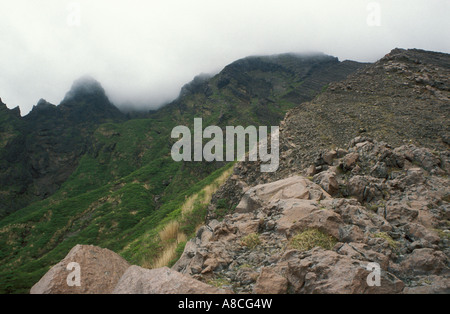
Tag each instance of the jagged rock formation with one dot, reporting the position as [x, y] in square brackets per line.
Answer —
[11, 126]
[395, 213]
[41, 150]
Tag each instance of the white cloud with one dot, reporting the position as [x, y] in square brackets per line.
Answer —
[144, 51]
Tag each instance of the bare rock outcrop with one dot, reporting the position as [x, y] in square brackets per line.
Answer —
[377, 204]
[328, 272]
[99, 272]
[270, 282]
[258, 238]
[138, 280]
[102, 271]
[377, 143]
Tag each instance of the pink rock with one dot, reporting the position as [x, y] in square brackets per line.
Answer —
[270, 282]
[99, 270]
[138, 280]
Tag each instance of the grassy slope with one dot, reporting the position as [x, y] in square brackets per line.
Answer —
[94, 208]
[112, 200]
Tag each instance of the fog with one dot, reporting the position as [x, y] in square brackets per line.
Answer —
[143, 52]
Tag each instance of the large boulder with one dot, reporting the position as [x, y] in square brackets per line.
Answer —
[327, 272]
[138, 280]
[430, 285]
[270, 282]
[295, 187]
[327, 180]
[424, 262]
[99, 272]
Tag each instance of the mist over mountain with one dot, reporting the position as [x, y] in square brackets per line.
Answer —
[144, 52]
[85, 87]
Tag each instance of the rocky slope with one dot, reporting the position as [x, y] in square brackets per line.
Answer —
[297, 235]
[301, 235]
[404, 98]
[377, 143]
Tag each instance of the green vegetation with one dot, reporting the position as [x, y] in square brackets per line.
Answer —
[384, 235]
[124, 221]
[446, 198]
[373, 207]
[222, 208]
[219, 282]
[118, 194]
[443, 234]
[251, 241]
[310, 239]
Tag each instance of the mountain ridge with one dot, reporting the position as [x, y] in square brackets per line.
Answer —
[49, 142]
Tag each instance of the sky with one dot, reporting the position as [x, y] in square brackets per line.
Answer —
[143, 52]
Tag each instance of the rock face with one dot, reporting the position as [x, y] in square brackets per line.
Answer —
[100, 270]
[270, 282]
[275, 213]
[320, 271]
[389, 206]
[137, 280]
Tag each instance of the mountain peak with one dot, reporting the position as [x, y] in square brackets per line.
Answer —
[15, 111]
[85, 87]
[87, 101]
[43, 104]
